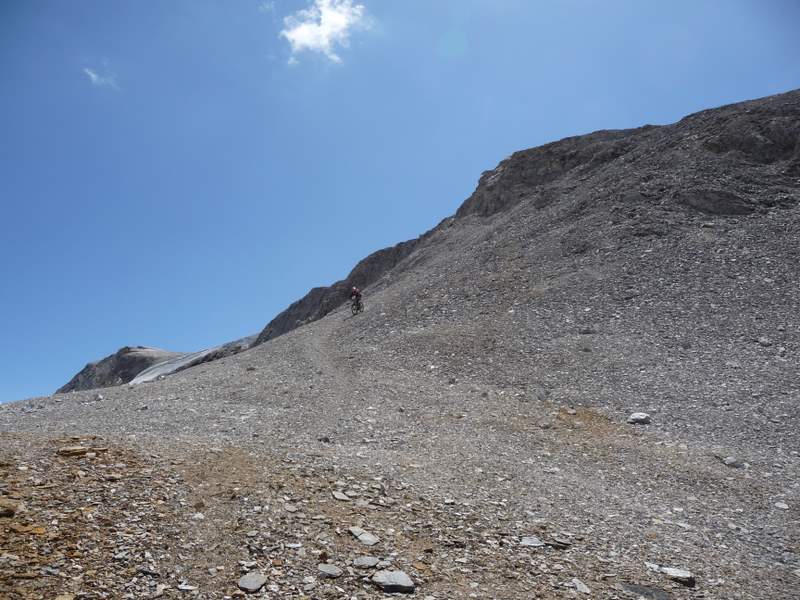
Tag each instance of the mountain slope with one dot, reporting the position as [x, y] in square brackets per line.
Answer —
[476, 413]
[696, 163]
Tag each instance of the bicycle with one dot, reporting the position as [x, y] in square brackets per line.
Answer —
[356, 306]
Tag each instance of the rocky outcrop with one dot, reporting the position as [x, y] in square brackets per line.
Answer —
[712, 146]
[516, 176]
[121, 367]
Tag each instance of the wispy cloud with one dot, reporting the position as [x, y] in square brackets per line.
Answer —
[323, 26]
[106, 79]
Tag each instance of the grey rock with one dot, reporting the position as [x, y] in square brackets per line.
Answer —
[340, 496]
[733, 462]
[558, 542]
[680, 575]
[330, 571]
[365, 562]
[782, 505]
[252, 582]
[393, 582]
[364, 537]
[639, 418]
[532, 542]
[581, 587]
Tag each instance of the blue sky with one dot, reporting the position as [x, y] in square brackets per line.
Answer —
[175, 173]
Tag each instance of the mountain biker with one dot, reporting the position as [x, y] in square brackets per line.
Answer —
[355, 294]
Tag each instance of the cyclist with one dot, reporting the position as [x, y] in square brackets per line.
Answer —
[355, 296]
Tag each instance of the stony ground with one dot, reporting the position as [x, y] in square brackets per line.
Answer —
[471, 424]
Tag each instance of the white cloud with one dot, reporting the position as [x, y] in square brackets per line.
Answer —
[105, 80]
[322, 27]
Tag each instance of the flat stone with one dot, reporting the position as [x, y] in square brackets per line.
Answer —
[365, 562]
[733, 462]
[72, 451]
[532, 541]
[185, 587]
[340, 496]
[639, 418]
[680, 575]
[558, 542]
[365, 537]
[331, 571]
[580, 586]
[393, 582]
[252, 582]
[782, 505]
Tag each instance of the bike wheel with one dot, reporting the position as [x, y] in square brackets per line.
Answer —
[354, 308]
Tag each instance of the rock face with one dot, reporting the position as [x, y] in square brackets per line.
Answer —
[764, 132]
[121, 367]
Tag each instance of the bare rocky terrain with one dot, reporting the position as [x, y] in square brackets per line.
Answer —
[469, 431]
